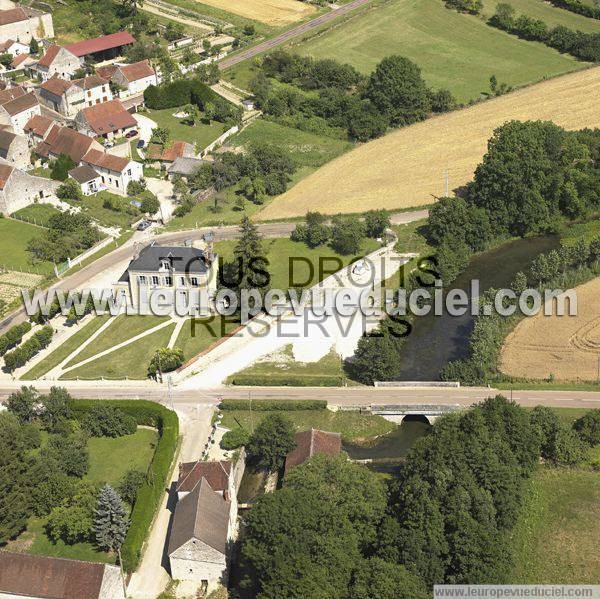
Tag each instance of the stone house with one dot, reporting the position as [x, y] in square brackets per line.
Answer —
[90, 182]
[184, 271]
[63, 140]
[116, 172]
[21, 23]
[135, 78]
[96, 90]
[40, 577]
[18, 189]
[107, 120]
[68, 97]
[14, 48]
[310, 443]
[168, 154]
[57, 61]
[14, 149]
[15, 113]
[37, 128]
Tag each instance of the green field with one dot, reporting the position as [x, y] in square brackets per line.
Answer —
[455, 51]
[68, 347]
[551, 15]
[109, 460]
[206, 332]
[287, 261]
[353, 426]
[200, 134]
[14, 236]
[556, 538]
[129, 362]
[38, 214]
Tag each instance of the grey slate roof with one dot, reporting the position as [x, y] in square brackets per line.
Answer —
[203, 514]
[183, 259]
[83, 174]
[6, 139]
[185, 166]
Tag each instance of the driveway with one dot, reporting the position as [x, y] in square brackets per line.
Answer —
[145, 126]
[163, 190]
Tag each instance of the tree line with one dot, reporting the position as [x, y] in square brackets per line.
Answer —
[395, 95]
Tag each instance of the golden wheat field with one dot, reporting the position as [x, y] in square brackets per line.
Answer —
[271, 12]
[406, 168]
[567, 348]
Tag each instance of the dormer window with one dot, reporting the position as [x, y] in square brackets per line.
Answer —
[165, 265]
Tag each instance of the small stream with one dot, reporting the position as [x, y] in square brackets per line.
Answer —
[436, 340]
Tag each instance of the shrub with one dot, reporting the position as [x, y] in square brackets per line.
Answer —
[108, 421]
[165, 360]
[269, 405]
[235, 438]
[13, 336]
[588, 427]
[22, 354]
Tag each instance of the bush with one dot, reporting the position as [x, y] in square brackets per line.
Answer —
[267, 380]
[235, 438]
[269, 405]
[151, 492]
[588, 427]
[165, 360]
[108, 421]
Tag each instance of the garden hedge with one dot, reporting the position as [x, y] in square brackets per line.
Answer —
[268, 380]
[150, 494]
[270, 405]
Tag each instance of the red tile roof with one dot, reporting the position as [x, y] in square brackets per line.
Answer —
[105, 42]
[107, 72]
[90, 82]
[49, 56]
[107, 161]
[137, 70]
[5, 173]
[216, 473]
[309, 443]
[38, 125]
[49, 577]
[62, 140]
[6, 95]
[108, 117]
[176, 149]
[21, 104]
[57, 86]
[18, 60]
[13, 15]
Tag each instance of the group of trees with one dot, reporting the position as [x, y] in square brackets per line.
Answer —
[68, 234]
[345, 233]
[13, 336]
[335, 530]
[45, 479]
[533, 177]
[584, 46]
[25, 351]
[395, 94]
[165, 360]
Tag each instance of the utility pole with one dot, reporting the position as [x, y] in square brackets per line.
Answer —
[251, 418]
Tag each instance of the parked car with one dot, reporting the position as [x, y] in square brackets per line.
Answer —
[140, 144]
[131, 133]
[143, 225]
[109, 144]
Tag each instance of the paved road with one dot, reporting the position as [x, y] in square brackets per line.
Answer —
[341, 396]
[80, 278]
[290, 33]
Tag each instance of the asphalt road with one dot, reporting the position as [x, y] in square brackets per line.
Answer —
[339, 396]
[80, 278]
[289, 34]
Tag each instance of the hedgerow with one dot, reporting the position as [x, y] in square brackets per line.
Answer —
[269, 405]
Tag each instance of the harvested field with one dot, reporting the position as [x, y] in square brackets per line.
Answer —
[406, 168]
[271, 12]
[567, 348]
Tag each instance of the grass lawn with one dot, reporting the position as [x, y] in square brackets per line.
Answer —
[455, 51]
[556, 538]
[93, 206]
[551, 15]
[14, 236]
[200, 134]
[41, 171]
[282, 369]
[124, 453]
[352, 425]
[129, 362]
[125, 327]
[206, 332]
[38, 214]
[288, 265]
[68, 347]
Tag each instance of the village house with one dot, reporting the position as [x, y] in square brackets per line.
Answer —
[182, 270]
[57, 61]
[107, 120]
[184, 167]
[201, 537]
[105, 47]
[168, 154]
[69, 97]
[135, 78]
[39, 577]
[21, 23]
[18, 189]
[310, 443]
[90, 182]
[115, 172]
[14, 149]
[37, 128]
[22, 62]
[16, 112]
[63, 140]
[14, 48]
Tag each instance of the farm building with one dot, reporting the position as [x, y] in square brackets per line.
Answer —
[21, 23]
[105, 47]
[310, 443]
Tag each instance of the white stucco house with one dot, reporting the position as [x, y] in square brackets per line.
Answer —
[115, 171]
[14, 48]
[68, 97]
[90, 182]
[57, 61]
[136, 77]
[17, 111]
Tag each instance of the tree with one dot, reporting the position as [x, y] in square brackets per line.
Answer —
[108, 421]
[52, 489]
[110, 521]
[130, 485]
[70, 190]
[165, 360]
[61, 167]
[67, 454]
[397, 89]
[314, 232]
[376, 223]
[235, 438]
[22, 403]
[347, 233]
[150, 204]
[56, 410]
[376, 359]
[34, 47]
[72, 521]
[160, 136]
[272, 440]
[588, 427]
[174, 31]
[375, 577]
[192, 114]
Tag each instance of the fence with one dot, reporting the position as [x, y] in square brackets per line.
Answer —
[60, 269]
[219, 140]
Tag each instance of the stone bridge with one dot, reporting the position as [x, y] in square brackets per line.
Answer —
[397, 412]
